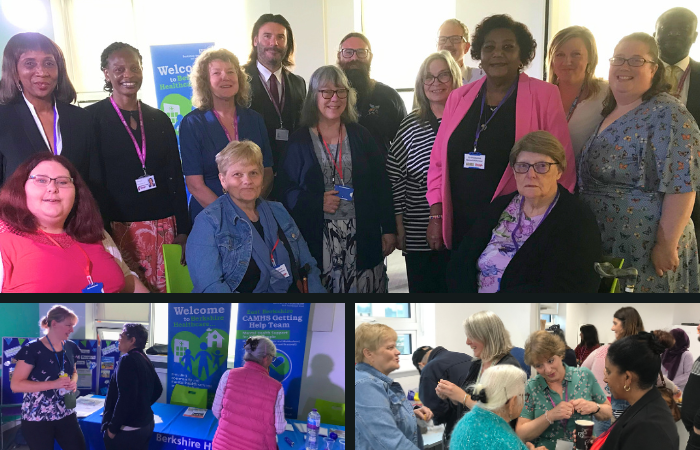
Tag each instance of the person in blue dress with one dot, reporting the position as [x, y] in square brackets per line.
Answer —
[639, 172]
[221, 94]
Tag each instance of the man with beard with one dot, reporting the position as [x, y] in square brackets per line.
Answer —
[690, 412]
[277, 94]
[453, 36]
[381, 108]
[675, 34]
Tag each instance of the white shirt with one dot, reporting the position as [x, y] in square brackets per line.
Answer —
[59, 141]
[266, 75]
[683, 64]
[586, 118]
[471, 74]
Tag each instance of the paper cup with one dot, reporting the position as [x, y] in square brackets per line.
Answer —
[584, 432]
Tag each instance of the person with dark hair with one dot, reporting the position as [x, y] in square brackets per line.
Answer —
[569, 355]
[469, 164]
[277, 93]
[127, 421]
[589, 342]
[677, 361]
[379, 107]
[143, 204]
[46, 374]
[36, 114]
[643, 207]
[48, 218]
[690, 413]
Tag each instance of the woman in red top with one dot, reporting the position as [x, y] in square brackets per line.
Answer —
[589, 342]
[49, 219]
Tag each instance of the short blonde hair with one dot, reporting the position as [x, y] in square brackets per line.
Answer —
[542, 345]
[542, 142]
[562, 37]
[202, 98]
[239, 151]
[487, 327]
[500, 383]
[370, 336]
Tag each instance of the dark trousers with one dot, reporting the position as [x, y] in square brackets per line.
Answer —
[41, 435]
[693, 440]
[426, 271]
[132, 440]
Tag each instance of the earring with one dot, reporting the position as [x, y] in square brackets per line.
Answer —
[19, 86]
[627, 388]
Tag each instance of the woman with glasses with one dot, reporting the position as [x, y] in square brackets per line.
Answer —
[335, 185]
[538, 239]
[407, 165]
[639, 172]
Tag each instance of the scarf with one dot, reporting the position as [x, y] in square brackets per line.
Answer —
[671, 358]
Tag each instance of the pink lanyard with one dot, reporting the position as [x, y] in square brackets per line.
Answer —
[563, 421]
[86, 268]
[275, 102]
[682, 81]
[141, 152]
[235, 125]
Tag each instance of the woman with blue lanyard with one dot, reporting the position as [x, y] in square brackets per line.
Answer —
[45, 373]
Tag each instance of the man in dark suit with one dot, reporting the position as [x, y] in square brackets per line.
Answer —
[277, 99]
[676, 31]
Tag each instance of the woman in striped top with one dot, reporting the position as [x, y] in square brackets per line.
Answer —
[407, 166]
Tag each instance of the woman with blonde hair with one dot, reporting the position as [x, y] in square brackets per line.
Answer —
[221, 94]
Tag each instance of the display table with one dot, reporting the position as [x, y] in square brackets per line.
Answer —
[298, 437]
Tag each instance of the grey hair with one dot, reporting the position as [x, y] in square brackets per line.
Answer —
[487, 327]
[465, 30]
[500, 383]
[542, 142]
[257, 347]
[421, 99]
[321, 77]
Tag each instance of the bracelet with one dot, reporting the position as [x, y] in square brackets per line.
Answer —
[464, 402]
[437, 216]
[597, 411]
[545, 416]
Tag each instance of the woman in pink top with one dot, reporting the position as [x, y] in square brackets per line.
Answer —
[481, 122]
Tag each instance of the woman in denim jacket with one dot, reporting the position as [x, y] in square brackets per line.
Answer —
[384, 418]
[241, 243]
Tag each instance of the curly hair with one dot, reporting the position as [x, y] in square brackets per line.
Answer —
[106, 53]
[523, 36]
[202, 98]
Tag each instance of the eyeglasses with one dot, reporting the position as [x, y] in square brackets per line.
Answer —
[362, 53]
[329, 93]
[633, 62]
[44, 181]
[456, 39]
[442, 77]
[540, 167]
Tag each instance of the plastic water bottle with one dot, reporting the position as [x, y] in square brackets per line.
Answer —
[312, 425]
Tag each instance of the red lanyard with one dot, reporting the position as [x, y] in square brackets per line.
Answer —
[235, 126]
[141, 152]
[563, 421]
[338, 154]
[86, 269]
[682, 81]
[272, 258]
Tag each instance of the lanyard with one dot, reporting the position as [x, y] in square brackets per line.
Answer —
[481, 128]
[279, 106]
[574, 104]
[520, 214]
[86, 268]
[682, 81]
[566, 388]
[54, 354]
[141, 152]
[272, 258]
[235, 126]
[338, 155]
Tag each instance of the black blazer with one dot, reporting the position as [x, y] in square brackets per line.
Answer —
[301, 185]
[558, 257]
[693, 103]
[21, 138]
[648, 424]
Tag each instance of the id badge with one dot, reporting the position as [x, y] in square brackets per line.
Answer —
[474, 161]
[145, 183]
[94, 288]
[281, 134]
[564, 445]
[282, 270]
[344, 192]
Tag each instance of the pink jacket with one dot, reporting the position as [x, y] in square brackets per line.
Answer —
[537, 107]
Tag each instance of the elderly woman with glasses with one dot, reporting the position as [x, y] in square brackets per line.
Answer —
[538, 239]
[245, 420]
[334, 182]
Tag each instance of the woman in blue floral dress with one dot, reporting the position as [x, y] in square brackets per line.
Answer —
[639, 172]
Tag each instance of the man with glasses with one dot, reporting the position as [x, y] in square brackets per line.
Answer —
[277, 93]
[381, 108]
[453, 36]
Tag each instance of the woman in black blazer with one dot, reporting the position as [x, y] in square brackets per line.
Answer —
[36, 114]
[556, 236]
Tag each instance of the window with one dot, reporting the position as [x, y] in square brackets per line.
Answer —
[400, 310]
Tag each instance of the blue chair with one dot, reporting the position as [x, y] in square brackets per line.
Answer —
[519, 354]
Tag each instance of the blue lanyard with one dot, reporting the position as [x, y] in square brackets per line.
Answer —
[481, 128]
[54, 354]
[566, 388]
[520, 214]
[573, 105]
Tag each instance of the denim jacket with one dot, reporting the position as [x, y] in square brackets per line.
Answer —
[220, 247]
[384, 417]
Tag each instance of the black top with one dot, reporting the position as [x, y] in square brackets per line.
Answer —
[693, 103]
[690, 411]
[570, 358]
[472, 189]
[133, 388]
[381, 113]
[120, 166]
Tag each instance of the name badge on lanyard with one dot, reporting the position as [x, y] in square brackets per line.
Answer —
[145, 182]
[282, 268]
[474, 160]
[281, 134]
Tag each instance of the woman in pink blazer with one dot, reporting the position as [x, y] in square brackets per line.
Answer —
[481, 122]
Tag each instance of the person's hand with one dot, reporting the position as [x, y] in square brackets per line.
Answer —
[434, 234]
[388, 244]
[531, 446]
[423, 413]
[181, 239]
[665, 258]
[563, 410]
[73, 386]
[584, 407]
[400, 237]
[695, 429]
[331, 202]
[61, 383]
[110, 434]
[450, 390]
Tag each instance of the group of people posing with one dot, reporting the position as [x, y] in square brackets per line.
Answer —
[495, 182]
[490, 401]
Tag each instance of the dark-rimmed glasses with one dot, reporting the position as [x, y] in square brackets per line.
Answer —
[44, 181]
[362, 53]
[455, 39]
[329, 93]
[443, 77]
[633, 62]
[540, 167]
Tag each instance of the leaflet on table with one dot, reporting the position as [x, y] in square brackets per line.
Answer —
[84, 406]
[195, 412]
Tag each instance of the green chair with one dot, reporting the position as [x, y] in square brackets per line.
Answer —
[177, 276]
[608, 285]
[331, 413]
[189, 396]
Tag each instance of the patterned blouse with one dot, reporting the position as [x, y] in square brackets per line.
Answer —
[580, 383]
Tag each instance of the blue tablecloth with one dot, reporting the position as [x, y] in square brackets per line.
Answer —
[298, 437]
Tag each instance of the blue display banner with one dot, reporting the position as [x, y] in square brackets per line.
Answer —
[107, 363]
[10, 347]
[198, 335]
[85, 364]
[286, 325]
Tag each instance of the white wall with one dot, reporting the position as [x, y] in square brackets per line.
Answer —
[77, 308]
